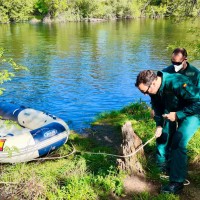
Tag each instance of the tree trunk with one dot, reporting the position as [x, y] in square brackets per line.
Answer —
[130, 143]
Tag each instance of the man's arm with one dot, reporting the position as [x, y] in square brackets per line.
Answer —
[198, 80]
[158, 109]
[188, 94]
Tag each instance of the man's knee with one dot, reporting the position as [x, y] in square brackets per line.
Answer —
[177, 141]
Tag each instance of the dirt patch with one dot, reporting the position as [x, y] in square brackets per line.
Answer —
[136, 184]
[191, 191]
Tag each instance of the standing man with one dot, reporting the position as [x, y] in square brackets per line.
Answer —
[179, 101]
[181, 66]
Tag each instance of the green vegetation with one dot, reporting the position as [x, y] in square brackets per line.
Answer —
[147, 196]
[88, 176]
[7, 73]
[16, 10]
[137, 113]
[9, 123]
[192, 46]
[53, 8]
[182, 11]
[79, 176]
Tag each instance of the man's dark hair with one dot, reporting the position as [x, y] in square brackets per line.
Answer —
[180, 50]
[146, 77]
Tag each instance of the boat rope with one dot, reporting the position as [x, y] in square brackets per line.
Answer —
[99, 153]
[119, 156]
[164, 177]
[59, 157]
[187, 182]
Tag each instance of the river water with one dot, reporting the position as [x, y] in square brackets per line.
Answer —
[78, 70]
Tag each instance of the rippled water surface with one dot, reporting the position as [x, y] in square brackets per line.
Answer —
[78, 70]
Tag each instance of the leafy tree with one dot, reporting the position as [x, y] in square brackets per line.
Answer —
[6, 75]
[86, 7]
[188, 10]
[155, 2]
[180, 8]
[41, 7]
[51, 7]
[15, 10]
[123, 8]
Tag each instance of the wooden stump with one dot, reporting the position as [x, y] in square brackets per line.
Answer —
[130, 143]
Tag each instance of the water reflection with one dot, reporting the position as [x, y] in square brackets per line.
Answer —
[77, 70]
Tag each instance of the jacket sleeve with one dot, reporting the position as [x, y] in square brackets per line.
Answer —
[198, 80]
[190, 95]
[158, 109]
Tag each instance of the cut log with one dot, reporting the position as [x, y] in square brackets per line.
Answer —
[130, 143]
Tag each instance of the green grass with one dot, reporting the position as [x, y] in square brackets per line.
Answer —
[84, 176]
[80, 176]
[9, 123]
[194, 147]
[137, 113]
[147, 196]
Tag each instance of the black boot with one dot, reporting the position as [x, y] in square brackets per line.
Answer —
[172, 188]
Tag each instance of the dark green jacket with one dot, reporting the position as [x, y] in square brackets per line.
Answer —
[192, 72]
[176, 94]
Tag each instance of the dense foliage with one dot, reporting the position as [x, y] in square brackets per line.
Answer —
[16, 10]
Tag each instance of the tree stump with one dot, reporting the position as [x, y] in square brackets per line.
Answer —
[130, 143]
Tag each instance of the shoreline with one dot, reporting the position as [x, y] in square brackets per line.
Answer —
[48, 20]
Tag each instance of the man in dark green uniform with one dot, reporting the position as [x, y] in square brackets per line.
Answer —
[180, 102]
[179, 65]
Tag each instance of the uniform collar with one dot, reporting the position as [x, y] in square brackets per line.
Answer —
[180, 71]
[187, 67]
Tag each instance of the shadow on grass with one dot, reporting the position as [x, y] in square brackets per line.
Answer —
[99, 139]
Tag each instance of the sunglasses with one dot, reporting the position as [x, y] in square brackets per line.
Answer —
[147, 91]
[176, 63]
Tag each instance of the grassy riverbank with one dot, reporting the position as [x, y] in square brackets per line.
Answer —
[88, 176]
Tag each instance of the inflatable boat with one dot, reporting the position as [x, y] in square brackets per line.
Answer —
[32, 134]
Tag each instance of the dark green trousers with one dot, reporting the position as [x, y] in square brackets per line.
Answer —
[171, 146]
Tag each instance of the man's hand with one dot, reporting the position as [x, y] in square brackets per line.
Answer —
[158, 132]
[152, 114]
[171, 116]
